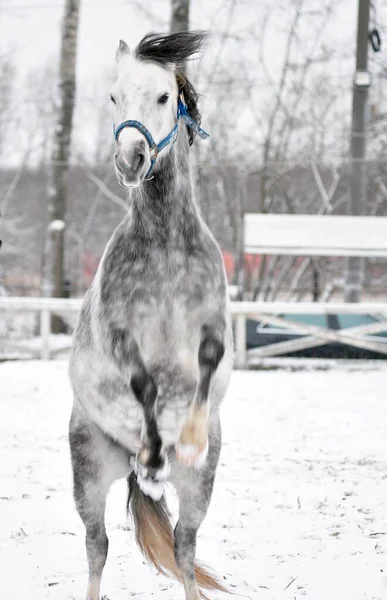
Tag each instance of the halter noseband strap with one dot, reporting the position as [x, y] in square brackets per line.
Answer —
[171, 137]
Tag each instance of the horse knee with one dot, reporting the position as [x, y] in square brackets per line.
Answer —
[144, 388]
[211, 352]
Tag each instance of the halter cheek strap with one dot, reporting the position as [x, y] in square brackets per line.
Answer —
[183, 113]
[171, 137]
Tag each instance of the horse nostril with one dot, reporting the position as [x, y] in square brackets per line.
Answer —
[140, 161]
[138, 156]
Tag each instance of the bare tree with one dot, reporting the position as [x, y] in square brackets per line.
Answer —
[286, 118]
[53, 274]
[295, 131]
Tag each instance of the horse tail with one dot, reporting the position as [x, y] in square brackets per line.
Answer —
[154, 535]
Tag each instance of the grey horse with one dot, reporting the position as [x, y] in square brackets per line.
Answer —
[152, 352]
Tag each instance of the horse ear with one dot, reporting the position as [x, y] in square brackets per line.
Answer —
[123, 49]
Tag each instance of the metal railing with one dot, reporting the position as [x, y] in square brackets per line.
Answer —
[264, 312]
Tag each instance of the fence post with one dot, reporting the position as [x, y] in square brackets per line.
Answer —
[240, 342]
[45, 330]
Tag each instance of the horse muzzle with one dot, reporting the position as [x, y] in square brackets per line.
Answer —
[132, 163]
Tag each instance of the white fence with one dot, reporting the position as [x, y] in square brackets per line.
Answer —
[265, 312]
[45, 307]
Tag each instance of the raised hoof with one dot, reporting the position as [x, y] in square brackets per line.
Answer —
[192, 448]
[152, 481]
[192, 455]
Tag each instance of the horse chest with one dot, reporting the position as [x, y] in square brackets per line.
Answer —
[162, 290]
[179, 287]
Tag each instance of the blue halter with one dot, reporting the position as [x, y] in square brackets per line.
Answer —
[155, 149]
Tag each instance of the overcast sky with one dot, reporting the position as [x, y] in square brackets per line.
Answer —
[30, 27]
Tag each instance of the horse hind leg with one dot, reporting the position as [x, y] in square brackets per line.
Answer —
[96, 462]
[194, 490]
[192, 447]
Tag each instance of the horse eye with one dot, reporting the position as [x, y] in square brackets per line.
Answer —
[112, 99]
[163, 99]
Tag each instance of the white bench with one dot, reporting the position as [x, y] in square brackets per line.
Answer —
[311, 235]
[315, 235]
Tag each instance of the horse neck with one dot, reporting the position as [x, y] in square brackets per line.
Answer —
[165, 203]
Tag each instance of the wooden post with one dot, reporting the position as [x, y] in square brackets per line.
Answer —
[358, 180]
[240, 342]
[45, 331]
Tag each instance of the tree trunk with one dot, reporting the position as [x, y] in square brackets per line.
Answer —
[180, 20]
[53, 271]
[7, 78]
[180, 15]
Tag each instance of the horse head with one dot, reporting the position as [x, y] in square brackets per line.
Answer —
[149, 96]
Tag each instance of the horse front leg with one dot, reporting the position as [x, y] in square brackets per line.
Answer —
[192, 448]
[151, 465]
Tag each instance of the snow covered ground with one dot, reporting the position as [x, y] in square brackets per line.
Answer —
[299, 510]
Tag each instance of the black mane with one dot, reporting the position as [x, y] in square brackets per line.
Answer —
[175, 49]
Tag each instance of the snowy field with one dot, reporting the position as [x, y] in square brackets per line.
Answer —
[299, 510]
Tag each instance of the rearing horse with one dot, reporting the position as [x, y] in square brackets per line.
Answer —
[152, 352]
